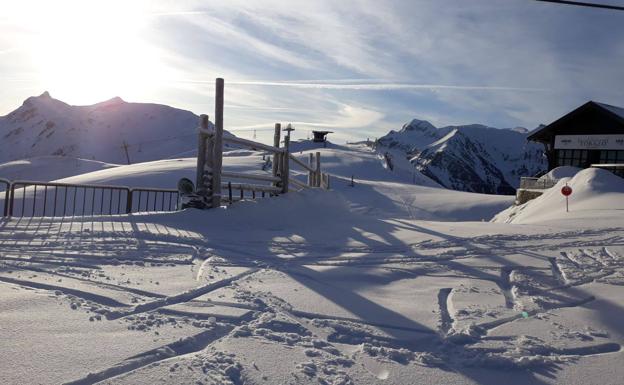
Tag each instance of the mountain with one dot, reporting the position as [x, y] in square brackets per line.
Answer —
[474, 157]
[44, 126]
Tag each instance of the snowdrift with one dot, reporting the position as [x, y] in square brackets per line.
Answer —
[596, 194]
[561, 172]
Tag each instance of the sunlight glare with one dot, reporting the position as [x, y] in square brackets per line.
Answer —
[87, 52]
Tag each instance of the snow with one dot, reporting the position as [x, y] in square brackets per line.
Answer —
[560, 172]
[48, 168]
[470, 157]
[393, 280]
[597, 194]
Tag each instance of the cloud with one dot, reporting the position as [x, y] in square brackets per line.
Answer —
[361, 66]
[379, 86]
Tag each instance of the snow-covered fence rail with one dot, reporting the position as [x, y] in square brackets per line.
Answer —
[50, 199]
[316, 178]
[528, 183]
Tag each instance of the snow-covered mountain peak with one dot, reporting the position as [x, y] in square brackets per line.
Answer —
[44, 126]
[521, 130]
[418, 125]
[111, 102]
[44, 95]
[43, 101]
[470, 157]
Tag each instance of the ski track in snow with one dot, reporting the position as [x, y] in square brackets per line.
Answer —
[333, 343]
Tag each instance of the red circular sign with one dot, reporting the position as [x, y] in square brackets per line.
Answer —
[566, 190]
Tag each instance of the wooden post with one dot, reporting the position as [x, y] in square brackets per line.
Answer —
[208, 170]
[318, 170]
[204, 159]
[285, 163]
[276, 158]
[310, 174]
[217, 153]
[276, 136]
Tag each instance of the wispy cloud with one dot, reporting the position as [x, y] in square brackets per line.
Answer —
[379, 86]
[358, 67]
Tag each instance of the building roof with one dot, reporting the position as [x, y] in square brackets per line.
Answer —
[616, 110]
[584, 114]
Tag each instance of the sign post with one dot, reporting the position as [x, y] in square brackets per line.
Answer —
[566, 191]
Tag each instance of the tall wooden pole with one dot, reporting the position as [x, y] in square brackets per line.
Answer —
[276, 157]
[217, 153]
[201, 153]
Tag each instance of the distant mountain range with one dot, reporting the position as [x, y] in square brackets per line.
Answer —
[473, 157]
[45, 126]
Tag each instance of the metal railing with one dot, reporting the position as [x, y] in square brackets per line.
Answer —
[140, 200]
[50, 199]
[542, 183]
[240, 191]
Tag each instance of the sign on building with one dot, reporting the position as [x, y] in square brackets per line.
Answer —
[589, 142]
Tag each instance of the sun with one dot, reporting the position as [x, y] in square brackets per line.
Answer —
[89, 51]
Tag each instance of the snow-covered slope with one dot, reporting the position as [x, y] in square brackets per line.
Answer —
[377, 191]
[46, 126]
[47, 168]
[473, 158]
[356, 285]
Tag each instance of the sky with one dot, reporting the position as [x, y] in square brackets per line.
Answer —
[358, 68]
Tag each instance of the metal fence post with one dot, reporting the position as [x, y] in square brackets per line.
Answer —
[129, 202]
[6, 197]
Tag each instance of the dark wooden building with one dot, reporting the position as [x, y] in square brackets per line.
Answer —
[320, 136]
[590, 135]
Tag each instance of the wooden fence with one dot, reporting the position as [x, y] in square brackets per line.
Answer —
[211, 179]
[30, 198]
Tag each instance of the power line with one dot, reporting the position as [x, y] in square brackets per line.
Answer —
[125, 147]
[585, 4]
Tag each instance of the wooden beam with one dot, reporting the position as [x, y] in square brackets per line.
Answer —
[252, 145]
[240, 175]
[300, 163]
